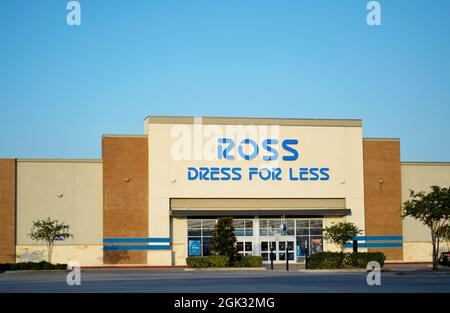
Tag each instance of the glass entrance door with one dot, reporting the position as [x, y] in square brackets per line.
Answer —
[278, 249]
[244, 245]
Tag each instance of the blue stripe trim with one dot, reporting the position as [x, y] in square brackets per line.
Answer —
[120, 240]
[143, 247]
[370, 238]
[377, 245]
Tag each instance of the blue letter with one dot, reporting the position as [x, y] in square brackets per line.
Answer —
[269, 174]
[225, 172]
[252, 171]
[291, 177]
[313, 172]
[204, 172]
[236, 171]
[255, 149]
[286, 146]
[225, 153]
[266, 146]
[214, 172]
[276, 173]
[324, 171]
[303, 171]
[190, 177]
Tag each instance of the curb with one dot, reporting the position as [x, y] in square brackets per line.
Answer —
[32, 271]
[225, 269]
[418, 271]
[108, 267]
[334, 271]
[407, 263]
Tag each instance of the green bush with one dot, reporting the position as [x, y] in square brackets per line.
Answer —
[336, 260]
[208, 261]
[32, 266]
[360, 259]
[223, 261]
[326, 260]
[249, 261]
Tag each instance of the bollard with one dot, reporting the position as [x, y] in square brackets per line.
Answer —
[355, 245]
[271, 259]
[287, 258]
[306, 258]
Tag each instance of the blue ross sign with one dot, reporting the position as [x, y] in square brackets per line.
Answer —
[194, 247]
[289, 152]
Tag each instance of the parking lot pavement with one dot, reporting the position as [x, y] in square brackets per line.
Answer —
[150, 280]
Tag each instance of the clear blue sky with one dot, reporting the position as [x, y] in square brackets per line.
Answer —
[62, 87]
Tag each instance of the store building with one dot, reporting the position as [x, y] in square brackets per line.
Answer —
[153, 199]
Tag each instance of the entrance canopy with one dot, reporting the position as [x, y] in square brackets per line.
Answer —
[180, 207]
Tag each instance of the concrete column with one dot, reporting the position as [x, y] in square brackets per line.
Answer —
[256, 240]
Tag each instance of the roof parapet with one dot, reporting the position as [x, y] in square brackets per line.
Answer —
[253, 121]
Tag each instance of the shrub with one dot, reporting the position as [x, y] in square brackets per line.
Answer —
[5, 267]
[326, 260]
[335, 260]
[360, 259]
[21, 266]
[208, 261]
[249, 261]
[223, 261]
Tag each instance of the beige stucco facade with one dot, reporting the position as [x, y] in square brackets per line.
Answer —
[338, 148]
[67, 190]
[85, 255]
[179, 240]
[133, 206]
[419, 176]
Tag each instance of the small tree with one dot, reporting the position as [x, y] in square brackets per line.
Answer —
[433, 209]
[340, 233]
[48, 231]
[224, 238]
[444, 234]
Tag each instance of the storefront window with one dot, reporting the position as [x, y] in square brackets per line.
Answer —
[302, 223]
[245, 247]
[316, 244]
[207, 245]
[248, 227]
[290, 227]
[200, 236]
[243, 227]
[308, 234]
[272, 227]
[264, 246]
[316, 223]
